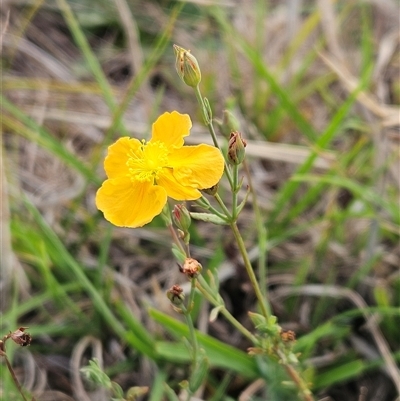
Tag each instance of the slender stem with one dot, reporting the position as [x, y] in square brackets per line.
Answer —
[189, 321]
[176, 239]
[246, 333]
[294, 375]
[208, 122]
[235, 191]
[203, 287]
[191, 295]
[206, 290]
[195, 346]
[242, 248]
[262, 237]
[192, 335]
[216, 212]
[206, 118]
[14, 377]
[222, 205]
[187, 246]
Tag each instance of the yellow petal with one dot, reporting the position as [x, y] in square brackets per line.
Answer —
[175, 189]
[127, 204]
[118, 154]
[198, 166]
[171, 128]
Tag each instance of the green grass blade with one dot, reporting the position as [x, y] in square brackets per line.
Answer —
[358, 190]
[287, 191]
[28, 128]
[136, 327]
[219, 354]
[136, 82]
[91, 60]
[339, 374]
[69, 264]
[157, 388]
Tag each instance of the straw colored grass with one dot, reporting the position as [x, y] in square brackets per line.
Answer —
[315, 88]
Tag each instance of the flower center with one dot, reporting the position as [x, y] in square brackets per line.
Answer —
[146, 163]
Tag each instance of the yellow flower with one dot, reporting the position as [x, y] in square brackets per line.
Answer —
[141, 175]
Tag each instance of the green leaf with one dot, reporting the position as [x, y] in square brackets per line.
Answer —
[209, 218]
[157, 386]
[199, 373]
[339, 374]
[219, 354]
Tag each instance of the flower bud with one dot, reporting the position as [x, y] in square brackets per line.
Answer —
[187, 67]
[191, 268]
[181, 217]
[175, 295]
[288, 336]
[236, 148]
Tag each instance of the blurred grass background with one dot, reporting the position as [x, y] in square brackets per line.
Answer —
[315, 86]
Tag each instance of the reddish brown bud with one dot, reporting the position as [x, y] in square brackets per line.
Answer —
[288, 336]
[20, 337]
[236, 148]
[191, 268]
[175, 295]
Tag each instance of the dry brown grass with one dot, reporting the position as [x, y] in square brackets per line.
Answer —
[45, 76]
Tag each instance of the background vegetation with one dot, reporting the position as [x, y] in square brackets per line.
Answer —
[315, 86]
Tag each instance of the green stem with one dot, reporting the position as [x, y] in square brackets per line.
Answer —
[235, 190]
[206, 117]
[192, 335]
[208, 122]
[294, 375]
[189, 321]
[192, 332]
[223, 207]
[216, 212]
[204, 288]
[262, 237]
[191, 295]
[176, 239]
[249, 268]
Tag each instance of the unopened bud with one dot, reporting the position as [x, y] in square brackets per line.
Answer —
[236, 148]
[187, 67]
[191, 268]
[181, 217]
[288, 336]
[175, 295]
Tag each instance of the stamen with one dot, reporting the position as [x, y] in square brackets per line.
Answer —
[147, 162]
